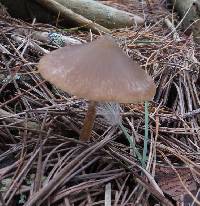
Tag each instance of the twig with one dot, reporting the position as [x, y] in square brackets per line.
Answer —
[69, 14]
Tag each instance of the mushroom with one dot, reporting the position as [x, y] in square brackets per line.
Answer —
[98, 71]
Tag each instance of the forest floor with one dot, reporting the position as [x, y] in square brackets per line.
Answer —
[42, 162]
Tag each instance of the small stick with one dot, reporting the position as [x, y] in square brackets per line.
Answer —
[69, 14]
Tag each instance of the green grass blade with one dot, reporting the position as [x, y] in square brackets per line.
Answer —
[132, 143]
[145, 134]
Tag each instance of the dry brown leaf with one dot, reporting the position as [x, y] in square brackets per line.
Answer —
[170, 184]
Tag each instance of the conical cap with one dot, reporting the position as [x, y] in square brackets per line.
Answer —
[97, 71]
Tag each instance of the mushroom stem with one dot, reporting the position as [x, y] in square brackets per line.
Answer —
[88, 122]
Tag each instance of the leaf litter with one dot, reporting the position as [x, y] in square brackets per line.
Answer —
[41, 159]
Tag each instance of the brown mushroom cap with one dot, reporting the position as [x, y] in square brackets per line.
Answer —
[97, 71]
